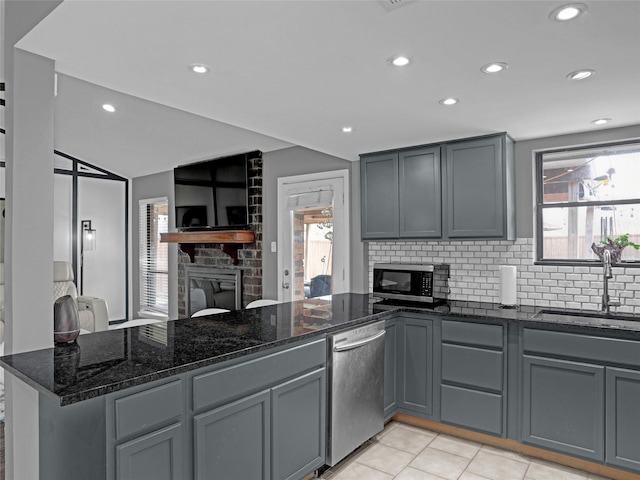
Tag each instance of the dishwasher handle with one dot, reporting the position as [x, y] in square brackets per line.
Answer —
[359, 343]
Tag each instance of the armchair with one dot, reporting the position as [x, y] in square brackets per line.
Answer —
[92, 311]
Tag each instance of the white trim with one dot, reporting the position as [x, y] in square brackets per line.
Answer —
[283, 210]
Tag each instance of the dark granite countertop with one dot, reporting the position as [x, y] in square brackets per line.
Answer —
[588, 321]
[108, 361]
[104, 362]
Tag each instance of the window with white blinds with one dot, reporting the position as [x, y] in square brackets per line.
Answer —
[154, 262]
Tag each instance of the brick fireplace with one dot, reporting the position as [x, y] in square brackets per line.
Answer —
[249, 256]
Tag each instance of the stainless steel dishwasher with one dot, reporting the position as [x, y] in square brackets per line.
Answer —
[356, 389]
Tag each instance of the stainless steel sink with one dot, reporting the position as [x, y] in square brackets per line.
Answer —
[581, 316]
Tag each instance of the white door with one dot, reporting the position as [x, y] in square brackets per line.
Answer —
[313, 235]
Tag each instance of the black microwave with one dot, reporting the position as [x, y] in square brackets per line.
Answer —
[413, 282]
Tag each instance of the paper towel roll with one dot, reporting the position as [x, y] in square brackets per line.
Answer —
[508, 285]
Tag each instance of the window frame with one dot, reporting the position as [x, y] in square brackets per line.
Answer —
[540, 205]
[146, 273]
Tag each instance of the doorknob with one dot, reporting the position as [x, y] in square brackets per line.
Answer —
[285, 285]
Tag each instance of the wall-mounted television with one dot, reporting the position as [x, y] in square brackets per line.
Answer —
[213, 194]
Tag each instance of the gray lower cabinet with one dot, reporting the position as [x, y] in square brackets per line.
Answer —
[219, 433]
[563, 406]
[148, 426]
[262, 419]
[579, 399]
[472, 363]
[278, 433]
[298, 426]
[390, 368]
[155, 456]
[623, 418]
[415, 368]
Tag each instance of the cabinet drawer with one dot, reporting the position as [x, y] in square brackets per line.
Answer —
[148, 408]
[473, 333]
[474, 367]
[473, 409]
[220, 386]
[593, 348]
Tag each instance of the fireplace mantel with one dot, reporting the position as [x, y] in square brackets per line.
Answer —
[230, 240]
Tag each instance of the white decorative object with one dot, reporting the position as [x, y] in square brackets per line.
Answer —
[508, 285]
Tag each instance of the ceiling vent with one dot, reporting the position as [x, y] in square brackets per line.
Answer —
[390, 5]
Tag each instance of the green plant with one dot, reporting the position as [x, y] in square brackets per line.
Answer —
[622, 241]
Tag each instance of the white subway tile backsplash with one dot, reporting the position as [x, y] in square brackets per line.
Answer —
[474, 273]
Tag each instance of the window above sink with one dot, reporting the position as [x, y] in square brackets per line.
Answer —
[583, 196]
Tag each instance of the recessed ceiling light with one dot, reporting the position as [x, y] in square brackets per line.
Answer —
[580, 74]
[199, 68]
[494, 67]
[347, 129]
[109, 108]
[399, 61]
[568, 12]
[601, 121]
[449, 101]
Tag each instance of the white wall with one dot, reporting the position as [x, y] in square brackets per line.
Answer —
[62, 207]
[103, 202]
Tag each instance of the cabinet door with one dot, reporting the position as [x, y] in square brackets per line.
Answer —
[475, 188]
[420, 193]
[390, 368]
[156, 456]
[563, 406]
[299, 425]
[232, 442]
[416, 367]
[623, 418]
[379, 196]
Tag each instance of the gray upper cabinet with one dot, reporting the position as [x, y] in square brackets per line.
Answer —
[479, 186]
[456, 190]
[401, 194]
[420, 194]
[379, 188]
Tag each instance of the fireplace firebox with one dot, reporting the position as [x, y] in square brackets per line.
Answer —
[207, 287]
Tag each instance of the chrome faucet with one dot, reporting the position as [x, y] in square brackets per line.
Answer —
[607, 301]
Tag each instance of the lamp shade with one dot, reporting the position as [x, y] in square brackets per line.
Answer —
[89, 239]
[88, 236]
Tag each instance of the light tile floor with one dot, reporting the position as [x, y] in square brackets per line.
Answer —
[404, 452]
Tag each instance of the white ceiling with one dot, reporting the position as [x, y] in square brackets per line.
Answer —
[295, 72]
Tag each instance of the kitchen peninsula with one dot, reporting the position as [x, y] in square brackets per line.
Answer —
[244, 393]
